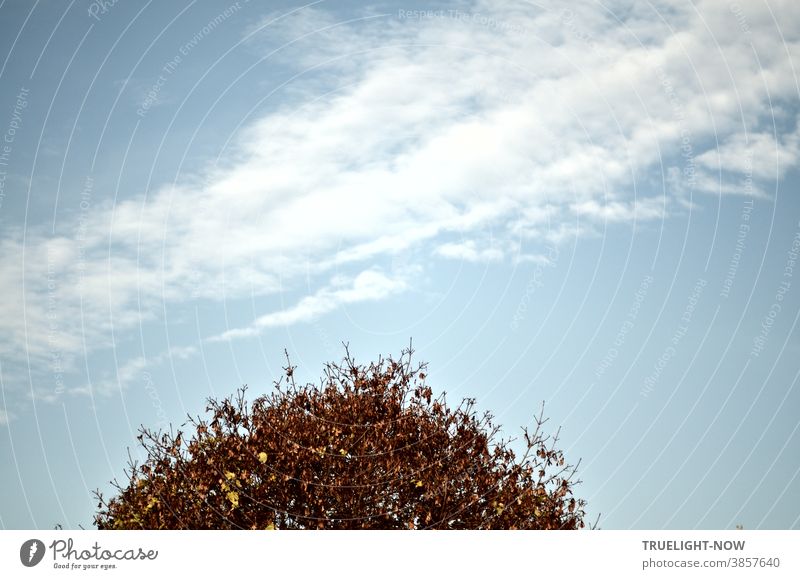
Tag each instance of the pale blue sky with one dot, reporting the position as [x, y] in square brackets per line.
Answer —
[591, 205]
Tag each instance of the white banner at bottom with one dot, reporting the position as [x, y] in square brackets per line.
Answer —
[406, 554]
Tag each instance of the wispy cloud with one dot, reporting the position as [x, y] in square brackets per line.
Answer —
[761, 155]
[469, 251]
[617, 211]
[403, 131]
[370, 285]
[132, 371]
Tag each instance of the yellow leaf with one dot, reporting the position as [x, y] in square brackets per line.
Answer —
[233, 497]
[270, 527]
[262, 457]
[229, 475]
[419, 483]
[342, 451]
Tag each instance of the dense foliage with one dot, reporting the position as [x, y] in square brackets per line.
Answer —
[368, 448]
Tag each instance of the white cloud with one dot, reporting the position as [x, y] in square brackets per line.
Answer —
[404, 132]
[369, 285]
[761, 155]
[5, 417]
[469, 251]
[132, 371]
[641, 209]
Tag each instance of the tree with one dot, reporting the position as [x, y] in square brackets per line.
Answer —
[369, 448]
